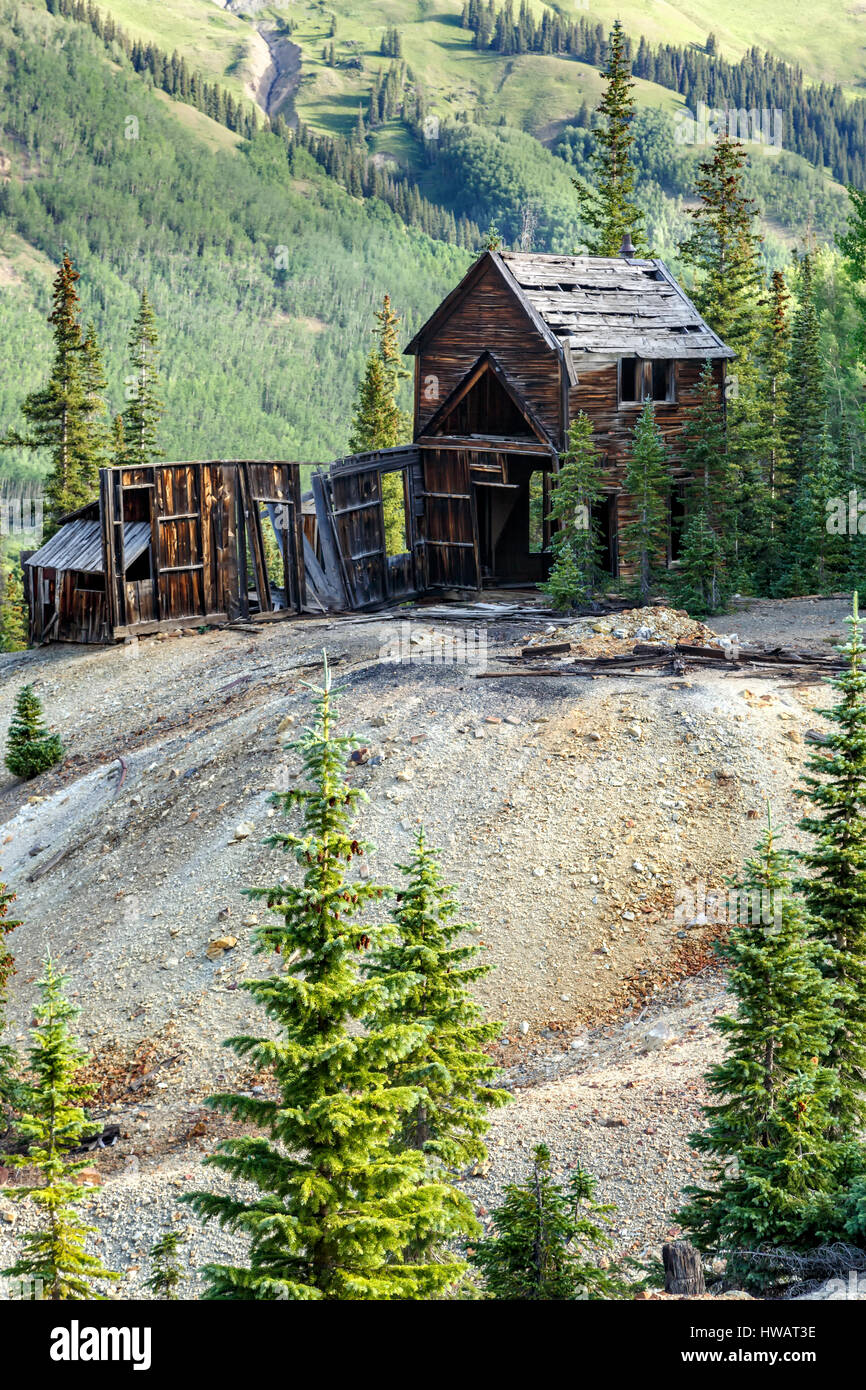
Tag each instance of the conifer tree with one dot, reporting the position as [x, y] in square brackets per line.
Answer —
[704, 450]
[807, 402]
[609, 209]
[647, 484]
[64, 415]
[13, 613]
[380, 423]
[724, 250]
[815, 551]
[449, 1067]
[117, 445]
[337, 1205]
[576, 544]
[53, 1122]
[853, 247]
[774, 362]
[548, 1240]
[772, 1168]
[165, 1264]
[493, 238]
[700, 582]
[95, 386]
[144, 408]
[764, 498]
[835, 890]
[30, 748]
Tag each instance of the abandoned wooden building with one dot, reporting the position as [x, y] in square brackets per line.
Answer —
[167, 544]
[521, 345]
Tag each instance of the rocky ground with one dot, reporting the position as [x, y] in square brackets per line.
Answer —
[589, 823]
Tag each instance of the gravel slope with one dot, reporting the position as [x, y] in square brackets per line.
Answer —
[572, 813]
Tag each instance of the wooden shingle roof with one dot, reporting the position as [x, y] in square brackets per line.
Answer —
[78, 546]
[613, 305]
[609, 306]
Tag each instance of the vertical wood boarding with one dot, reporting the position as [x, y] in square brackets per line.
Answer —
[450, 535]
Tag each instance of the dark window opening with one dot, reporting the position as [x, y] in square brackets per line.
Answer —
[630, 378]
[140, 567]
[638, 379]
[661, 380]
[89, 583]
[603, 517]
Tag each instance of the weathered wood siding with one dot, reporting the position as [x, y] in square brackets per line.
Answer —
[613, 424]
[490, 316]
[449, 526]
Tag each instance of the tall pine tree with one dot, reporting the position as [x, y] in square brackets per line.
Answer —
[806, 414]
[724, 249]
[448, 1065]
[13, 610]
[576, 543]
[380, 423]
[337, 1204]
[64, 416]
[699, 583]
[771, 1165]
[608, 208]
[144, 408]
[647, 486]
[835, 889]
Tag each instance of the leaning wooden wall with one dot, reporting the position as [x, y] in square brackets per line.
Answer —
[206, 539]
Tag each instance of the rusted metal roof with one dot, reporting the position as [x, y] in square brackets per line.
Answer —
[78, 546]
[613, 305]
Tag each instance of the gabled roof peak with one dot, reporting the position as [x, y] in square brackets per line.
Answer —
[599, 305]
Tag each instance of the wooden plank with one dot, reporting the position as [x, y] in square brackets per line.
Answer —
[319, 581]
[333, 564]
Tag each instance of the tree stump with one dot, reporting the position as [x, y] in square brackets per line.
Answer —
[684, 1272]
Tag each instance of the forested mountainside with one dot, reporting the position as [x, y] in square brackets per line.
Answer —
[262, 346]
[411, 133]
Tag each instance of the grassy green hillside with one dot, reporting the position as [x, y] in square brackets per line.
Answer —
[533, 93]
[825, 38]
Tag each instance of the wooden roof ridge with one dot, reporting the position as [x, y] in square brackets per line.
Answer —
[475, 272]
[488, 361]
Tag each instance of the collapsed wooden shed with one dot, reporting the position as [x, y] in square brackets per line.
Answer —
[170, 544]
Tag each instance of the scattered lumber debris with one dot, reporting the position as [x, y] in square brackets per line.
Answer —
[550, 649]
[646, 657]
[105, 1139]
